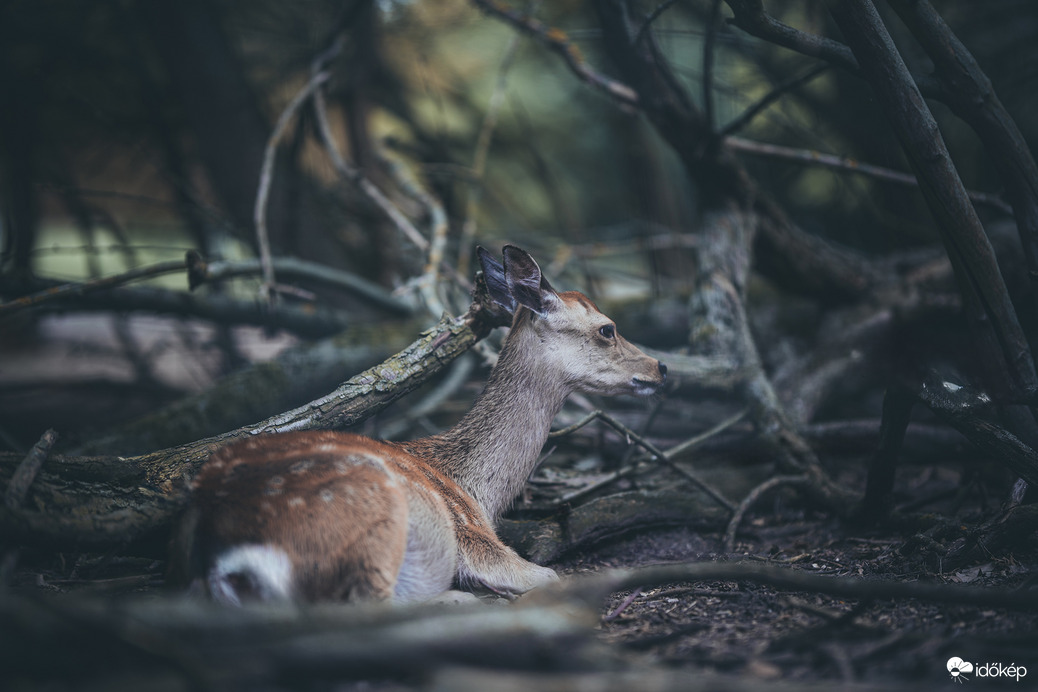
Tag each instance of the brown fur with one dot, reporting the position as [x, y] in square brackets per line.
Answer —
[356, 518]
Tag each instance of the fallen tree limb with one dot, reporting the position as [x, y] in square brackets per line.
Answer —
[101, 502]
[256, 392]
[552, 630]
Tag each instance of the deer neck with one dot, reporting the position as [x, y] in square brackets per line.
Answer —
[493, 450]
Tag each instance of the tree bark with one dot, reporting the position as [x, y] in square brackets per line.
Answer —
[101, 502]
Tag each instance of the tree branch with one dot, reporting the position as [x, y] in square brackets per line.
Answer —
[305, 320]
[107, 501]
[556, 41]
[62, 291]
[968, 91]
[843, 163]
[1006, 354]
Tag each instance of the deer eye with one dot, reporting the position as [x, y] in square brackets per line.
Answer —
[608, 331]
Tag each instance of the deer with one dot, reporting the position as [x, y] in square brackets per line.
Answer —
[328, 515]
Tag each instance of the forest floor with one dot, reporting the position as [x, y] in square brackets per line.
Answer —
[725, 634]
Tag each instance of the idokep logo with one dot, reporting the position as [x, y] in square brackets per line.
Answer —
[960, 670]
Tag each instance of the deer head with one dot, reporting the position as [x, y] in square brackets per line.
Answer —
[571, 338]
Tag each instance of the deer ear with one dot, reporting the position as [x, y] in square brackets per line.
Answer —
[525, 282]
[497, 284]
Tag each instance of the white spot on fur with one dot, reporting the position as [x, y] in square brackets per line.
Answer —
[276, 481]
[296, 502]
[326, 495]
[266, 568]
[301, 466]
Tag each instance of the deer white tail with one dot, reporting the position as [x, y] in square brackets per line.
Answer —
[262, 572]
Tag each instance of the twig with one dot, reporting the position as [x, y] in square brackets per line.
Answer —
[751, 499]
[556, 41]
[785, 87]
[1004, 354]
[356, 177]
[705, 435]
[309, 320]
[653, 16]
[649, 447]
[851, 165]
[623, 605]
[25, 474]
[200, 271]
[670, 454]
[428, 282]
[267, 177]
[749, 15]
[70, 290]
[967, 410]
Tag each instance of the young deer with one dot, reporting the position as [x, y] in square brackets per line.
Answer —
[329, 515]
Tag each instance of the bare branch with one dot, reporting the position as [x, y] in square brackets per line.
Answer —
[749, 15]
[970, 94]
[200, 271]
[780, 90]
[267, 177]
[556, 41]
[76, 290]
[844, 163]
[304, 320]
[728, 544]
[1006, 355]
[655, 451]
[653, 16]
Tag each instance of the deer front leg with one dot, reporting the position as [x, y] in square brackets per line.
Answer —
[485, 561]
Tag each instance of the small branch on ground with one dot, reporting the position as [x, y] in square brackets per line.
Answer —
[728, 544]
[656, 453]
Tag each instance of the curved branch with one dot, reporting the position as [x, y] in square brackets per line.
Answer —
[556, 41]
[201, 271]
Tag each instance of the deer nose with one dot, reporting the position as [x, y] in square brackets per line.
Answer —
[663, 369]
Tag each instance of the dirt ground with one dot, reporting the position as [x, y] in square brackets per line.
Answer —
[740, 631]
[727, 627]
